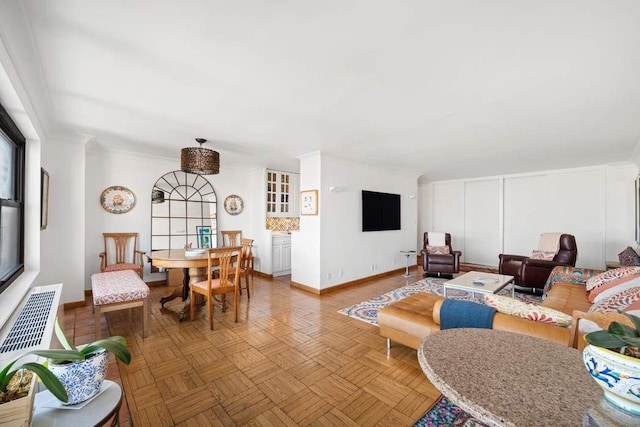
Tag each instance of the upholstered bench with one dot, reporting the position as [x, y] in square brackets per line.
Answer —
[119, 290]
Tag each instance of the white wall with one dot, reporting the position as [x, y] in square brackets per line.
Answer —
[595, 204]
[139, 174]
[62, 243]
[13, 97]
[335, 238]
[305, 243]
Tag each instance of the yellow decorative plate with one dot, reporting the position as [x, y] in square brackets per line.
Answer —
[117, 200]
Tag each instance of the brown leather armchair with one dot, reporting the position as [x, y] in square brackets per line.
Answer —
[530, 274]
[440, 264]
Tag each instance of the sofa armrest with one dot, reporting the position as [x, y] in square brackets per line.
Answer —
[601, 319]
[103, 261]
[456, 259]
[507, 257]
[541, 263]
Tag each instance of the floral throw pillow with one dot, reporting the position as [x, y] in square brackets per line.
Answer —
[438, 250]
[609, 275]
[626, 300]
[536, 254]
[629, 257]
[514, 307]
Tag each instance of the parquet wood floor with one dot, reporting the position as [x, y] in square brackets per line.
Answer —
[292, 359]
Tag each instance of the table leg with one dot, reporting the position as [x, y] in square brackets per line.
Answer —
[194, 275]
[513, 289]
[406, 268]
[182, 291]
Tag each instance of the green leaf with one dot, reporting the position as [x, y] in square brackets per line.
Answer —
[631, 341]
[634, 319]
[50, 381]
[62, 338]
[4, 375]
[59, 354]
[116, 345]
[617, 328]
[604, 339]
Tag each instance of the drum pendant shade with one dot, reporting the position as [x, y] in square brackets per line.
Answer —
[199, 160]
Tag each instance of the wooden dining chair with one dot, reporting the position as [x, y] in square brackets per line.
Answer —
[121, 253]
[246, 265]
[231, 237]
[228, 259]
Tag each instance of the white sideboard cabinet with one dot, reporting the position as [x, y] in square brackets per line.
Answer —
[281, 254]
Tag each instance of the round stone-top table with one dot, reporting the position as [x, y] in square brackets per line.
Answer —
[503, 378]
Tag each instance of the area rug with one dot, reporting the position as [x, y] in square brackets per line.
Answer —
[367, 311]
[445, 413]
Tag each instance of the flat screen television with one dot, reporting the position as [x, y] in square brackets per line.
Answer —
[380, 211]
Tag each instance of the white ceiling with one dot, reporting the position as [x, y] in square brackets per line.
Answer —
[444, 89]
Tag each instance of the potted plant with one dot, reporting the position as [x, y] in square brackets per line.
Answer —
[17, 384]
[71, 374]
[82, 375]
[613, 360]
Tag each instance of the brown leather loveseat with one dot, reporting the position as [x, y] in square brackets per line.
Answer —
[531, 274]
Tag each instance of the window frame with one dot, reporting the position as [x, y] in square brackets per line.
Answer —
[13, 135]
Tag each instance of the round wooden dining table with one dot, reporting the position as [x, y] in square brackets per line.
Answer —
[195, 269]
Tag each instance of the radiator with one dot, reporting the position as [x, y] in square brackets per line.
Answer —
[32, 324]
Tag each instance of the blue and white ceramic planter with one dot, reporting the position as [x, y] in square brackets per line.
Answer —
[82, 380]
[618, 376]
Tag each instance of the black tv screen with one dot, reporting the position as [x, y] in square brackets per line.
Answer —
[380, 211]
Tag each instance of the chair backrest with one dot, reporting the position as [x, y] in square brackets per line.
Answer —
[231, 237]
[568, 252]
[120, 247]
[247, 253]
[447, 241]
[226, 258]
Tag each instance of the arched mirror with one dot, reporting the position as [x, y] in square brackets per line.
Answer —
[183, 212]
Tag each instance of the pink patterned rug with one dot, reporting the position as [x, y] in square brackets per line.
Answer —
[367, 311]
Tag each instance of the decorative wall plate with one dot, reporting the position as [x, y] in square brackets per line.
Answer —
[233, 204]
[117, 200]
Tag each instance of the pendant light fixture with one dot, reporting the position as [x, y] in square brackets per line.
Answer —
[200, 160]
[157, 196]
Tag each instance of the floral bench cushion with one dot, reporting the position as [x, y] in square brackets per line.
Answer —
[117, 286]
[566, 274]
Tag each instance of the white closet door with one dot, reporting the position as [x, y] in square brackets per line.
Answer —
[448, 212]
[482, 222]
[571, 202]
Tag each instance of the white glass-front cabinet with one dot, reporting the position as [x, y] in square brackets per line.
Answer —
[283, 190]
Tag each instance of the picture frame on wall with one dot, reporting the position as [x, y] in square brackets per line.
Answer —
[204, 236]
[309, 202]
[44, 198]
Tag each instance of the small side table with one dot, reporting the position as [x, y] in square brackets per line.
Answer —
[406, 269]
[95, 413]
[612, 264]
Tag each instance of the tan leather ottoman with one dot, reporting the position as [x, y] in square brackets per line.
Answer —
[409, 320]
